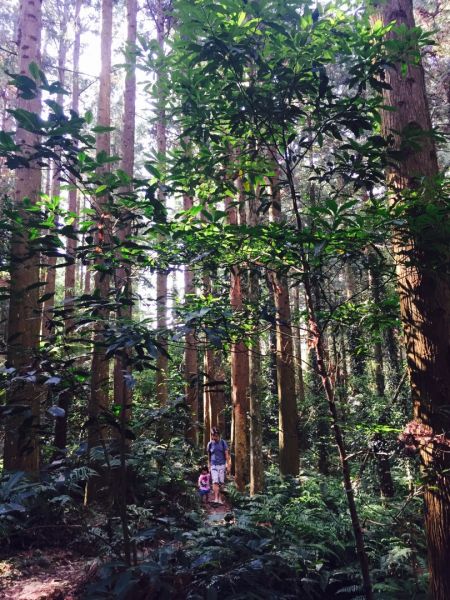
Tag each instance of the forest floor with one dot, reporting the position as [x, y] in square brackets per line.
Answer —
[53, 574]
[59, 574]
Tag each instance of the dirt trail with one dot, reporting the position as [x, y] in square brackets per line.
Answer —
[57, 574]
[54, 574]
[215, 513]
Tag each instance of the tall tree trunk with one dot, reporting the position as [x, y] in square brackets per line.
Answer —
[24, 319]
[122, 368]
[288, 414]
[162, 363]
[424, 288]
[66, 397]
[122, 276]
[239, 377]
[99, 397]
[190, 356]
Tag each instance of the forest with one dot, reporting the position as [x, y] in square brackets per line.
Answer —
[224, 299]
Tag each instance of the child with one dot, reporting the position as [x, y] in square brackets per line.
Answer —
[204, 484]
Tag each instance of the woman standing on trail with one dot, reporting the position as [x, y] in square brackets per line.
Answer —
[218, 462]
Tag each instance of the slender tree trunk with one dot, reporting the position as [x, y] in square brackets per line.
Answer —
[207, 361]
[288, 413]
[272, 349]
[297, 341]
[65, 398]
[24, 319]
[357, 362]
[239, 377]
[190, 356]
[395, 369]
[375, 287]
[86, 283]
[99, 397]
[162, 363]
[51, 261]
[207, 373]
[381, 457]
[424, 289]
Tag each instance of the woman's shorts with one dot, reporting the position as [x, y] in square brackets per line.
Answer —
[203, 492]
[218, 473]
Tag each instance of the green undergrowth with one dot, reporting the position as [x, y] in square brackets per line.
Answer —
[293, 541]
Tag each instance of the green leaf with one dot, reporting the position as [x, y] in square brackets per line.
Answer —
[153, 170]
[46, 297]
[34, 70]
[241, 18]
[102, 129]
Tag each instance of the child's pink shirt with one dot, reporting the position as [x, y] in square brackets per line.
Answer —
[203, 482]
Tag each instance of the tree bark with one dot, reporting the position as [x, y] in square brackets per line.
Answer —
[24, 319]
[123, 283]
[424, 288]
